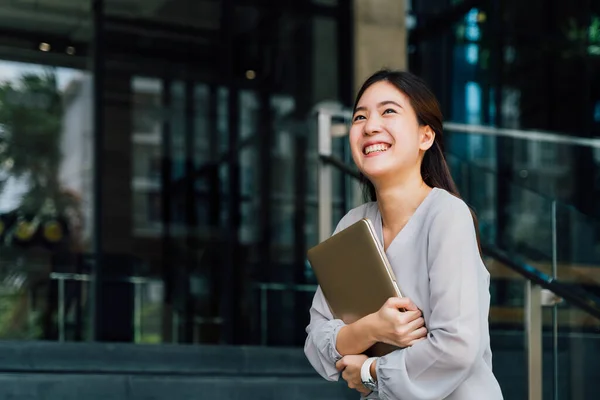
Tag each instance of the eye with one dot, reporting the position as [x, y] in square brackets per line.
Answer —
[390, 111]
[356, 118]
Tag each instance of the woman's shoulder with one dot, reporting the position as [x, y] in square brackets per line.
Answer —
[448, 207]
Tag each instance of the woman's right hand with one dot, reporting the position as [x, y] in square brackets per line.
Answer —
[399, 328]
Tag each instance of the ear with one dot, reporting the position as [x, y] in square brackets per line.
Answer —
[427, 136]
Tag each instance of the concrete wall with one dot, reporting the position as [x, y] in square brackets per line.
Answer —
[379, 36]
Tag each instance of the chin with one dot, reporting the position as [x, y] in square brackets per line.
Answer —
[375, 173]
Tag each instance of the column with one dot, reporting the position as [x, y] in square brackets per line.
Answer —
[380, 38]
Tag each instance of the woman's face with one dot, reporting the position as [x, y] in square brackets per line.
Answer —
[385, 137]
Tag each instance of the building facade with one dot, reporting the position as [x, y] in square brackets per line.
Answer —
[158, 164]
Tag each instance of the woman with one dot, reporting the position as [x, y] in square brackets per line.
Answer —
[430, 239]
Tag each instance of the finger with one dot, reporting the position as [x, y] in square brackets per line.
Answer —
[415, 336]
[362, 389]
[420, 333]
[340, 365]
[415, 324]
[345, 377]
[402, 303]
[409, 316]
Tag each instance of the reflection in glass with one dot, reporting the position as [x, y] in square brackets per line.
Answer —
[45, 200]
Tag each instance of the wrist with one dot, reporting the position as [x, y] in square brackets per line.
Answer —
[373, 370]
[371, 328]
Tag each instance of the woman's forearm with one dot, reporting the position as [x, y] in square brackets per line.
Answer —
[357, 337]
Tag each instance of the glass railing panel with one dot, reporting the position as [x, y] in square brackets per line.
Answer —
[577, 334]
[528, 223]
[577, 240]
[511, 217]
[575, 360]
[558, 241]
[556, 166]
[507, 329]
[478, 188]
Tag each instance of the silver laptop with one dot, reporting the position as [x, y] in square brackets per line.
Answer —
[354, 274]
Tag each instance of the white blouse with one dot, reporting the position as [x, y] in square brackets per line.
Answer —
[437, 264]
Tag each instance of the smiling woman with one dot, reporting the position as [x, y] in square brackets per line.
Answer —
[430, 240]
[407, 94]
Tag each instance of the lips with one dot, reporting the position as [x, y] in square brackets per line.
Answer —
[375, 148]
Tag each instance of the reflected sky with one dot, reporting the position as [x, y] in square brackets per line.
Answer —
[15, 188]
[11, 72]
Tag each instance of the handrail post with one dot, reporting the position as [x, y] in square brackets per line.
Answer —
[264, 327]
[324, 171]
[533, 334]
[137, 311]
[61, 309]
[555, 307]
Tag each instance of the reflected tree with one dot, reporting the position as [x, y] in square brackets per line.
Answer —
[31, 111]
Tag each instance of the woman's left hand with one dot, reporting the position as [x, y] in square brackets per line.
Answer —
[350, 367]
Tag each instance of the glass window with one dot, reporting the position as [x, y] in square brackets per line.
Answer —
[45, 197]
[197, 207]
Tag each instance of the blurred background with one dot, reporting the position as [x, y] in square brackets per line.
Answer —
[160, 171]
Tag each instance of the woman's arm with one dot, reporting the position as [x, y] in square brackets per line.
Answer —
[323, 329]
[457, 321]
[330, 339]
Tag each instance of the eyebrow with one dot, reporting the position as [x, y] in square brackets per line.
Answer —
[383, 103]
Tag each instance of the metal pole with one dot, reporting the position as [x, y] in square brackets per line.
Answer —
[175, 328]
[98, 104]
[555, 307]
[324, 170]
[137, 310]
[533, 334]
[61, 309]
[263, 315]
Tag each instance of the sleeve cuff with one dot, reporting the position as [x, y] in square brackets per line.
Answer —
[337, 324]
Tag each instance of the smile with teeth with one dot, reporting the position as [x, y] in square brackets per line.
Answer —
[379, 147]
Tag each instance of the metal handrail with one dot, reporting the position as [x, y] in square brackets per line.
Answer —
[513, 183]
[136, 281]
[339, 164]
[579, 298]
[537, 135]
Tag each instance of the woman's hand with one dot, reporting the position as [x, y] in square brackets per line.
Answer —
[399, 328]
[350, 367]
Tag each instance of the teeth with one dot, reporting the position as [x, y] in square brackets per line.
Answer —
[376, 147]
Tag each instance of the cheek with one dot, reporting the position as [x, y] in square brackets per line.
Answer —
[406, 138]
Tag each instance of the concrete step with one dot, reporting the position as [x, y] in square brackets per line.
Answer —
[90, 371]
[27, 386]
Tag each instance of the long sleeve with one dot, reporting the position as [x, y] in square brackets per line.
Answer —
[320, 345]
[433, 368]
[322, 330]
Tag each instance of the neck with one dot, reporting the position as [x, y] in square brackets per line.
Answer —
[398, 202]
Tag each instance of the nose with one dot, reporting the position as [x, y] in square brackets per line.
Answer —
[373, 125]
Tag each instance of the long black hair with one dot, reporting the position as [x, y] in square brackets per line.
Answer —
[434, 168]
